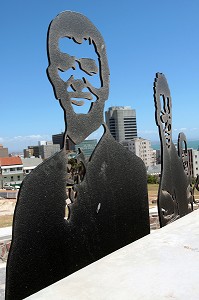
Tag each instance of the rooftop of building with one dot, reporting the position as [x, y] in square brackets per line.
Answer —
[153, 170]
[32, 161]
[9, 161]
[119, 107]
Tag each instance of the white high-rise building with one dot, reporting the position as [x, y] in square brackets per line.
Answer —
[142, 148]
[193, 158]
[44, 143]
[121, 121]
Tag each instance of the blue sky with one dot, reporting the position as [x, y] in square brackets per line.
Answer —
[142, 37]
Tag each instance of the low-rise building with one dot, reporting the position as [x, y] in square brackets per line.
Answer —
[44, 150]
[154, 170]
[11, 171]
[3, 151]
[31, 151]
[30, 163]
[27, 153]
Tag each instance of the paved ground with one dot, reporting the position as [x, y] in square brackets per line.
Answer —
[7, 206]
[2, 279]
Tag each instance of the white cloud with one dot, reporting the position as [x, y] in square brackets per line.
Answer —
[147, 131]
[194, 129]
[36, 137]
[18, 143]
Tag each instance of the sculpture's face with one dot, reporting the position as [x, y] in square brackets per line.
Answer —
[163, 108]
[72, 74]
[165, 118]
[78, 75]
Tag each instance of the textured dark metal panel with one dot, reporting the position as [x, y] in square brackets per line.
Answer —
[107, 202]
[175, 197]
[77, 27]
[196, 187]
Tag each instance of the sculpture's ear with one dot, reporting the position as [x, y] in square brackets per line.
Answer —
[163, 116]
[183, 151]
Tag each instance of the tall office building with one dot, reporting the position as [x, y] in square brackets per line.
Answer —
[47, 151]
[121, 121]
[87, 147]
[59, 139]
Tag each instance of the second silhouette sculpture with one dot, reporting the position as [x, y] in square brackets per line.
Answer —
[175, 197]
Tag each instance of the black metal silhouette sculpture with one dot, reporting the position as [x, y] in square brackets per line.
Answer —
[196, 187]
[109, 204]
[175, 197]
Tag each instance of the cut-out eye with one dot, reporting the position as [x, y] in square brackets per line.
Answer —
[162, 102]
[168, 105]
[88, 65]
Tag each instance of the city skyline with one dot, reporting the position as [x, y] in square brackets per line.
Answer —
[141, 39]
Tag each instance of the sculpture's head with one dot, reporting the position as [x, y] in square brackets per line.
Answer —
[77, 88]
[162, 100]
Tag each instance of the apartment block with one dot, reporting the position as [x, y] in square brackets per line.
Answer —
[142, 148]
[46, 151]
[193, 159]
[11, 171]
[30, 163]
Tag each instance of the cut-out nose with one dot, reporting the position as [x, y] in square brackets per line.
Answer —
[78, 85]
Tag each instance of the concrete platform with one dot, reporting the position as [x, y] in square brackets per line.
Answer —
[5, 233]
[162, 265]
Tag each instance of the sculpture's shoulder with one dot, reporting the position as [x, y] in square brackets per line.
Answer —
[47, 169]
[45, 184]
[108, 149]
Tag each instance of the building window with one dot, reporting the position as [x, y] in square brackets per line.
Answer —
[12, 169]
[18, 177]
[19, 168]
[11, 178]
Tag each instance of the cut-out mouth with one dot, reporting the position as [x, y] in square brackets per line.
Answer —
[83, 95]
[81, 105]
[78, 102]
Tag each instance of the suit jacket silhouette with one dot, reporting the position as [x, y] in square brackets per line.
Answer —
[111, 211]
